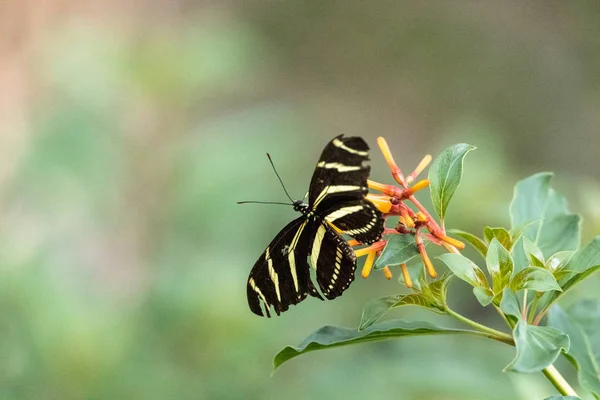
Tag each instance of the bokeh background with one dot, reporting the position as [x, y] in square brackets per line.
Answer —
[129, 129]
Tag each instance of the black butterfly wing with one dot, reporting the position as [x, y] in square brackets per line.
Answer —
[333, 259]
[341, 174]
[281, 276]
[358, 218]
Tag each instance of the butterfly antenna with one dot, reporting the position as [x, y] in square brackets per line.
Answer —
[280, 181]
[263, 202]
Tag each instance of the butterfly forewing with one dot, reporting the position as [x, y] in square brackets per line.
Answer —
[334, 261]
[340, 174]
[281, 275]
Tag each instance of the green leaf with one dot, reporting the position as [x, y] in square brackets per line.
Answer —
[582, 263]
[562, 398]
[537, 346]
[398, 250]
[438, 289]
[377, 308]
[520, 259]
[530, 202]
[533, 252]
[501, 234]
[477, 243]
[550, 298]
[584, 259]
[509, 304]
[517, 233]
[500, 266]
[336, 336]
[558, 261]
[557, 229]
[429, 296]
[582, 324]
[484, 295]
[445, 175]
[534, 278]
[578, 278]
[559, 233]
[464, 269]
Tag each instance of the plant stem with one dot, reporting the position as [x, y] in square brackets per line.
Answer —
[538, 319]
[533, 309]
[494, 334]
[559, 382]
[524, 306]
[503, 316]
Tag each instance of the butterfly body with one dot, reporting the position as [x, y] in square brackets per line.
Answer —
[336, 203]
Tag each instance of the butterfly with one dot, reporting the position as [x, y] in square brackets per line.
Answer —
[336, 203]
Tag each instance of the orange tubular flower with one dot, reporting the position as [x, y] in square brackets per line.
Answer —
[389, 190]
[387, 154]
[416, 187]
[422, 165]
[370, 252]
[382, 202]
[406, 276]
[453, 242]
[387, 273]
[368, 265]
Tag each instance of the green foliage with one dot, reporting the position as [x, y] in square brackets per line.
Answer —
[537, 259]
[445, 175]
[399, 249]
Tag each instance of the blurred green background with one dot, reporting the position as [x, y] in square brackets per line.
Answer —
[129, 129]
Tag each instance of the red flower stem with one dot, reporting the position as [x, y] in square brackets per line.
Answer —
[434, 240]
[407, 211]
[389, 231]
[417, 204]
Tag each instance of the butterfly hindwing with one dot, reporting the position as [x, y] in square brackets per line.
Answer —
[359, 219]
[341, 174]
[281, 275]
[333, 259]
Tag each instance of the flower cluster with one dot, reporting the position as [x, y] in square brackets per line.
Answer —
[393, 202]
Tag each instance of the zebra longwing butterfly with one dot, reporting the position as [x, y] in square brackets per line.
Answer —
[336, 196]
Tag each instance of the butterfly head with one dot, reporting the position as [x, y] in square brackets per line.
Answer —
[300, 206]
